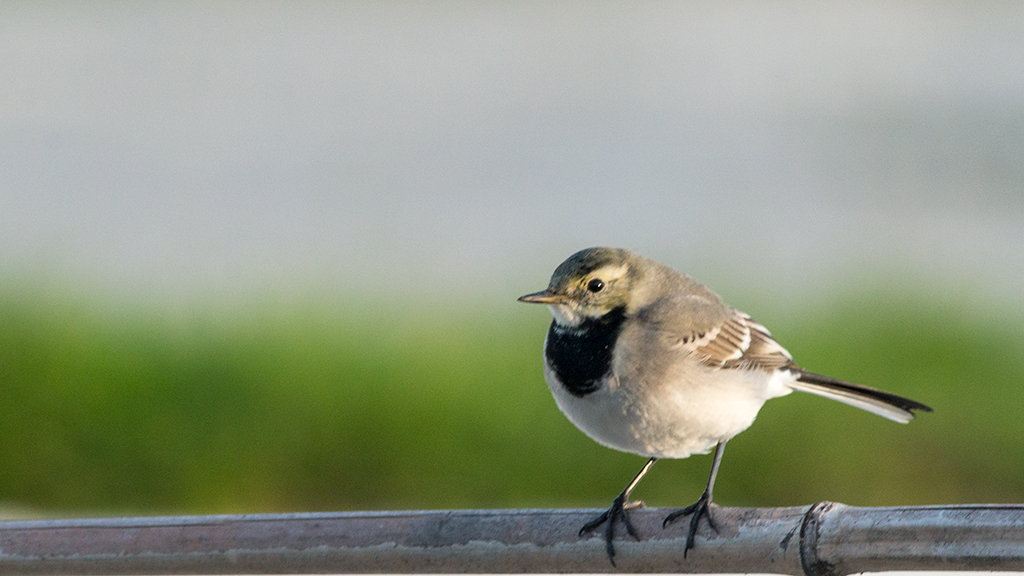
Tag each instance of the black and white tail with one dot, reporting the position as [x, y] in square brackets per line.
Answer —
[891, 406]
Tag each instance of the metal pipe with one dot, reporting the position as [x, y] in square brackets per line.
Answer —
[819, 540]
[841, 539]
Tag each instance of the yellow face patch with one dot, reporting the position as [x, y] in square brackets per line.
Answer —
[609, 273]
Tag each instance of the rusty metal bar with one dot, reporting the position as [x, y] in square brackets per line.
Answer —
[819, 540]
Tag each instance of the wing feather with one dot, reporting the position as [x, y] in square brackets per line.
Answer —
[739, 342]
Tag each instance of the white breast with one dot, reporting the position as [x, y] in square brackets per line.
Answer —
[691, 409]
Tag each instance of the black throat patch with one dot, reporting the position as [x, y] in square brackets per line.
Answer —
[581, 356]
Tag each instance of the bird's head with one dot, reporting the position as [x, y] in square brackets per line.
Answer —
[589, 284]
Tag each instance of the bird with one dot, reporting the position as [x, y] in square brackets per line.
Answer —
[647, 360]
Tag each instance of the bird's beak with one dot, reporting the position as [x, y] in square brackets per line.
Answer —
[543, 297]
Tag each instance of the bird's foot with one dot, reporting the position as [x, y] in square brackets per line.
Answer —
[702, 507]
[617, 512]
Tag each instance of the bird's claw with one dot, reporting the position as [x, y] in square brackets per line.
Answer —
[702, 507]
[610, 517]
[594, 523]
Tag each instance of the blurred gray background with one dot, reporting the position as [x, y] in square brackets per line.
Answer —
[205, 150]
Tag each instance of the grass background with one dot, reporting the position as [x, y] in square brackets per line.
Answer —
[321, 404]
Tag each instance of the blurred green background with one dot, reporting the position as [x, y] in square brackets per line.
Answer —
[264, 256]
[319, 404]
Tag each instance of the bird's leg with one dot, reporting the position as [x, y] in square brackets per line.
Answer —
[618, 511]
[702, 506]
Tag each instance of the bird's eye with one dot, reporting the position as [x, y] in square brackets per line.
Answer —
[595, 285]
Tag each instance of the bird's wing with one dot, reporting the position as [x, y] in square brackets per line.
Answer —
[737, 342]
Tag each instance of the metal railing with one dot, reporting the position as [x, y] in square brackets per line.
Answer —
[818, 540]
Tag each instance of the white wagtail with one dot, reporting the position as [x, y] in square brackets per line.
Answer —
[647, 360]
